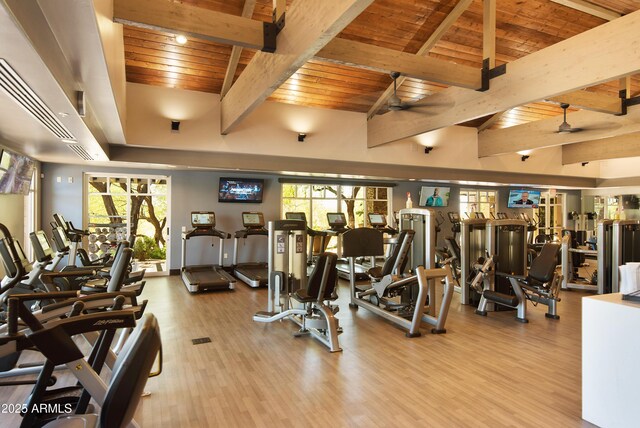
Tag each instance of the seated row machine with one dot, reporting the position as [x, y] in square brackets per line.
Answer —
[401, 300]
[288, 280]
[540, 285]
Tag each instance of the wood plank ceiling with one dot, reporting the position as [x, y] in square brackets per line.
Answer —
[522, 27]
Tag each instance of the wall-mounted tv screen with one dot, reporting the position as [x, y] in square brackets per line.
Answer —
[16, 172]
[240, 190]
[434, 196]
[524, 198]
[630, 202]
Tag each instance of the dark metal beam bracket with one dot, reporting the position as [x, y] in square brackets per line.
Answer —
[270, 32]
[280, 22]
[627, 102]
[490, 73]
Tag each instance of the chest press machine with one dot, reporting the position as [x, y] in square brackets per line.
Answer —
[391, 295]
[540, 285]
[288, 281]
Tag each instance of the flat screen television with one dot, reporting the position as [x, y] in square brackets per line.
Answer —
[524, 199]
[630, 202]
[240, 190]
[434, 196]
[16, 172]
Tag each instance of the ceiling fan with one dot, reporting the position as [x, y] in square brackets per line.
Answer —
[396, 104]
[564, 127]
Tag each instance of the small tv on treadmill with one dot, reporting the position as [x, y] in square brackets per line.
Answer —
[252, 219]
[336, 220]
[203, 219]
[377, 220]
[240, 190]
[295, 216]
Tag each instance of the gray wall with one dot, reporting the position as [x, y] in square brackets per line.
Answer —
[197, 191]
[191, 191]
[573, 201]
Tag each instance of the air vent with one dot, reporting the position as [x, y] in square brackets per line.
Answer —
[80, 151]
[16, 88]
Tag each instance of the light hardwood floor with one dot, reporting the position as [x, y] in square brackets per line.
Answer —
[484, 372]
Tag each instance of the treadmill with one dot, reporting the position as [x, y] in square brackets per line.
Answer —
[205, 277]
[253, 274]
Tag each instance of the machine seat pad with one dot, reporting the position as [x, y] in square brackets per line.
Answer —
[520, 278]
[501, 298]
[90, 289]
[303, 297]
[375, 272]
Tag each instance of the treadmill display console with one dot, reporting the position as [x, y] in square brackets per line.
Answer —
[454, 217]
[377, 220]
[252, 220]
[203, 219]
[296, 216]
[336, 220]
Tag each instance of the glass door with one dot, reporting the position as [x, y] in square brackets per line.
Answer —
[551, 215]
[135, 208]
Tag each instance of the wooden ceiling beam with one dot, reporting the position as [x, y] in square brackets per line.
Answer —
[236, 51]
[362, 55]
[493, 119]
[622, 146]
[310, 26]
[197, 22]
[625, 85]
[489, 32]
[590, 101]
[543, 133]
[435, 37]
[279, 7]
[590, 8]
[606, 52]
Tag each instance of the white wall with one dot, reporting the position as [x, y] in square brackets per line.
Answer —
[618, 168]
[272, 130]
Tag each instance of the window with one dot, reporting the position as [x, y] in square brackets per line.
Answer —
[551, 214]
[472, 200]
[137, 208]
[613, 207]
[316, 200]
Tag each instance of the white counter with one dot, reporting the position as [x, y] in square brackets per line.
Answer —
[610, 361]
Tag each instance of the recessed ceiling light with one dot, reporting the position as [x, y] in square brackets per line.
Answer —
[181, 39]
[63, 114]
